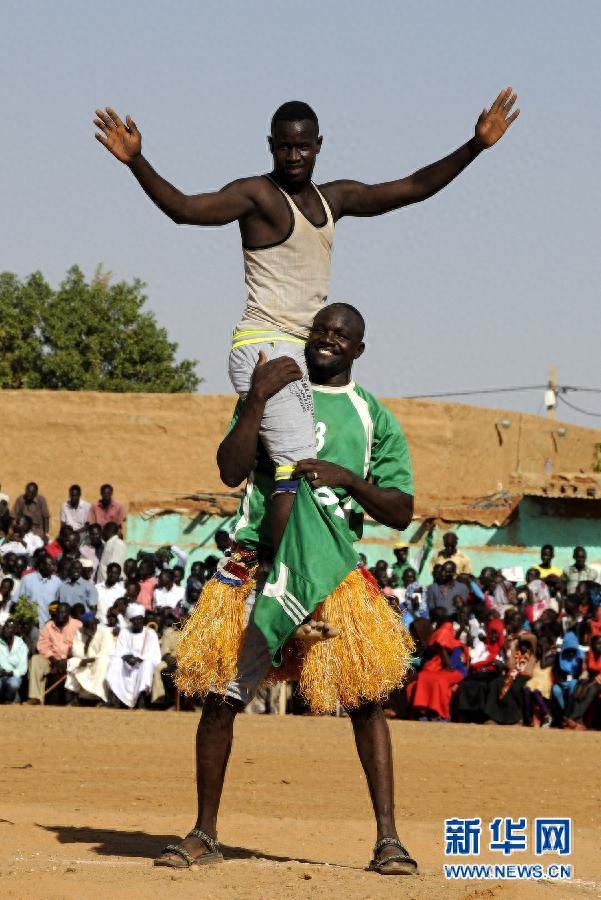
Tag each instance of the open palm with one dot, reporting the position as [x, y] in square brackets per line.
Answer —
[124, 141]
[494, 122]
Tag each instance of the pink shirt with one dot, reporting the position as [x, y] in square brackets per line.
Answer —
[146, 595]
[100, 515]
[56, 642]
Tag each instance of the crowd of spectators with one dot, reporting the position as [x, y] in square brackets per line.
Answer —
[83, 624]
[80, 623]
[506, 647]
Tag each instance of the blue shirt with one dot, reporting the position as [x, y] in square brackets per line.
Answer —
[80, 591]
[42, 592]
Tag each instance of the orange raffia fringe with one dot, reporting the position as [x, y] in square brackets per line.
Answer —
[369, 658]
[211, 640]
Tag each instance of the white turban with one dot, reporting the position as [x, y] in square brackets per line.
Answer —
[135, 609]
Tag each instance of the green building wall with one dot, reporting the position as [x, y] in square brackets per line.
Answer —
[563, 523]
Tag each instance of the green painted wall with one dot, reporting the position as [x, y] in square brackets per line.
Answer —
[563, 523]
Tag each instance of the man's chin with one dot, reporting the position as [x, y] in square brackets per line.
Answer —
[322, 371]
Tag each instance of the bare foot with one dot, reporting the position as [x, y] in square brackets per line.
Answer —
[313, 631]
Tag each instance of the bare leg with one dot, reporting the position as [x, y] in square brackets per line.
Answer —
[213, 747]
[281, 506]
[372, 738]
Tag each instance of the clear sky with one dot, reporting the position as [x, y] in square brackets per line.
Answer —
[484, 286]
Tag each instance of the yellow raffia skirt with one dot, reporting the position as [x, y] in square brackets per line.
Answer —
[369, 658]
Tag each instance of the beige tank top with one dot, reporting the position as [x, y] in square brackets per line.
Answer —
[288, 283]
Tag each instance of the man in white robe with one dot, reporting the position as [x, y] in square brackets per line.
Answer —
[136, 656]
[93, 646]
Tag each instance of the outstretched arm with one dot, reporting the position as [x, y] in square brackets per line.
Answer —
[124, 141]
[351, 198]
[388, 506]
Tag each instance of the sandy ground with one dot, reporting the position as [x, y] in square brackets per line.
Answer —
[90, 796]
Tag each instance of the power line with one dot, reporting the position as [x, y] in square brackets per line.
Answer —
[561, 389]
[579, 409]
[534, 387]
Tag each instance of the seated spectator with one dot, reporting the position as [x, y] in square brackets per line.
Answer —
[136, 656]
[6, 600]
[588, 689]
[546, 570]
[93, 647]
[23, 541]
[106, 509]
[93, 548]
[41, 587]
[401, 564]
[75, 512]
[538, 596]
[77, 590]
[444, 666]
[505, 700]
[463, 565]
[59, 545]
[87, 569]
[4, 513]
[167, 593]
[485, 664]
[579, 571]
[163, 689]
[193, 591]
[223, 542]
[32, 504]
[567, 668]
[70, 552]
[441, 593]
[130, 569]
[109, 591]
[13, 662]
[54, 648]
[147, 582]
[114, 550]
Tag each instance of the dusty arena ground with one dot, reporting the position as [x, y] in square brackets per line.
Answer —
[90, 796]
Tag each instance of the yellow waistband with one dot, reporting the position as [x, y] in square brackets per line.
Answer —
[262, 337]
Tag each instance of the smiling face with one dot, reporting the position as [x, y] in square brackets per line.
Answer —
[335, 342]
[294, 147]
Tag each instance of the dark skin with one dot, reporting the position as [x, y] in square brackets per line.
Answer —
[333, 345]
[7, 634]
[261, 211]
[136, 625]
[215, 730]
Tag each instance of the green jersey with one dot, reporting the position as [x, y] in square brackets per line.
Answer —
[352, 429]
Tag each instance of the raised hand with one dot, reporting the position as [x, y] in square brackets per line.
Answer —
[124, 141]
[494, 122]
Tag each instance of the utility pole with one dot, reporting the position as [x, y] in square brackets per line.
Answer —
[551, 394]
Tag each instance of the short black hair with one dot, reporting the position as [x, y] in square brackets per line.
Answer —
[294, 111]
[75, 487]
[354, 312]
[548, 547]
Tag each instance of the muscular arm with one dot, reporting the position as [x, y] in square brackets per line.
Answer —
[124, 141]
[352, 198]
[388, 506]
[232, 202]
[238, 450]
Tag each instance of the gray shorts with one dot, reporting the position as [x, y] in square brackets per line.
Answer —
[287, 429]
[255, 661]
